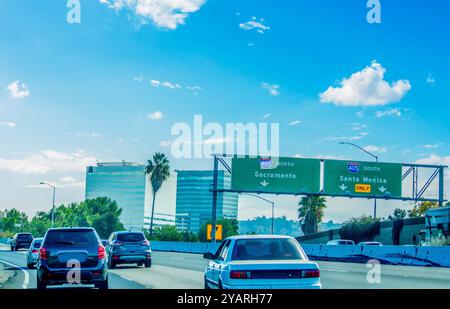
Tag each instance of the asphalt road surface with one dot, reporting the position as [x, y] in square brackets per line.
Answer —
[185, 271]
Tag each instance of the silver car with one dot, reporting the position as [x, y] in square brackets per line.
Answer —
[33, 252]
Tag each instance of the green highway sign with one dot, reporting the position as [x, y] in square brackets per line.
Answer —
[275, 175]
[362, 178]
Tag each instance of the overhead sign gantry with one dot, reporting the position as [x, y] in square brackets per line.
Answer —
[319, 177]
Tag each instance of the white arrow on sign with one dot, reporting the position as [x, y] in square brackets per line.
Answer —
[382, 189]
[343, 187]
[264, 183]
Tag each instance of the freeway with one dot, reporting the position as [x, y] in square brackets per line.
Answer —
[15, 263]
[172, 270]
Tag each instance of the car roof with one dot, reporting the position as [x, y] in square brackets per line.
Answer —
[71, 229]
[259, 237]
[127, 232]
[38, 239]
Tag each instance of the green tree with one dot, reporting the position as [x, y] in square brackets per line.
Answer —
[310, 213]
[398, 214]
[10, 219]
[360, 229]
[158, 171]
[420, 209]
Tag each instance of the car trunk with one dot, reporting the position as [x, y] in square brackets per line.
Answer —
[59, 257]
[275, 272]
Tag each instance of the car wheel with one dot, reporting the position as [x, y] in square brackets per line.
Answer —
[12, 248]
[102, 285]
[220, 285]
[206, 284]
[40, 285]
[148, 264]
[140, 264]
[30, 266]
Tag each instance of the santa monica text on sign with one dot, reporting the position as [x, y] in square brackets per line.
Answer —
[362, 178]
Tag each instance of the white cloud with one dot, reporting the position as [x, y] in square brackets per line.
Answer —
[82, 134]
[430, 80]
[266, 116]
[194, 88]
[356, 126]
[17, 90]
[155, 116]
[7, 124]
[366, 88]
[273, 89]
[48, 161]
[167, 14]
[139, 78]
[372, 148]
[343, 138]
[389, 112]
[255, 24]
[431, 146]
[157, 83]
[324, 157]
[360, 114]
[294, 123]
[165, 144]
[120, 141]
[67, 179]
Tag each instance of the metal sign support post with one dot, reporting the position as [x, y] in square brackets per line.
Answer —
[441, 186]
[214, 205]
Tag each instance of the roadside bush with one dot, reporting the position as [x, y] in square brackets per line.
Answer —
[364, 228]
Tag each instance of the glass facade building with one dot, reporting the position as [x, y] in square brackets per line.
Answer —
[194, 199]
[123, 182]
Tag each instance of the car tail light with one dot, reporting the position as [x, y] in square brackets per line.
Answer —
[101, 252]
[145, 243]
[34, 251]
[314, 273]
[240, 274]
[43, 254]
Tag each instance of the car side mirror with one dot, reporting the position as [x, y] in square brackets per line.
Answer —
[208, 256]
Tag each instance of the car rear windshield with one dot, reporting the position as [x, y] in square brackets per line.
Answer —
[130, 237]
[71, 238]
[24, 236]
[266, 249]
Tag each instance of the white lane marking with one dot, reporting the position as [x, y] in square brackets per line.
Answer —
[26, 280]
[123, 277]
[335, 270]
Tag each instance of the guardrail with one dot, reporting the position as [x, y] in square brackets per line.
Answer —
[394, 255]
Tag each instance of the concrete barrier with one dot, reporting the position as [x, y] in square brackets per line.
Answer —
[396, 255]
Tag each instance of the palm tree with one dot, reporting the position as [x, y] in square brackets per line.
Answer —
[310, 213]
[158, 171]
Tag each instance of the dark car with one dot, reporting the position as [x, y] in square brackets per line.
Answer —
[127, 248]
[21, 241]
[72, 256]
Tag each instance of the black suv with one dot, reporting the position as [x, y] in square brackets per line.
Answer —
[128, 247]
[21, 241]
[72, 256]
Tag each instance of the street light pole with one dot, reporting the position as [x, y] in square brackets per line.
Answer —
[53, 203]
[376, 160]
[266, 200]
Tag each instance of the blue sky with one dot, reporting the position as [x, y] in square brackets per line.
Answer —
[76, 93]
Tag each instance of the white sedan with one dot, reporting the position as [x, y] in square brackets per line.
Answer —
[261, 262]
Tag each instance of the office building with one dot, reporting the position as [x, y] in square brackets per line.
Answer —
[123, 182]
[194, 199]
